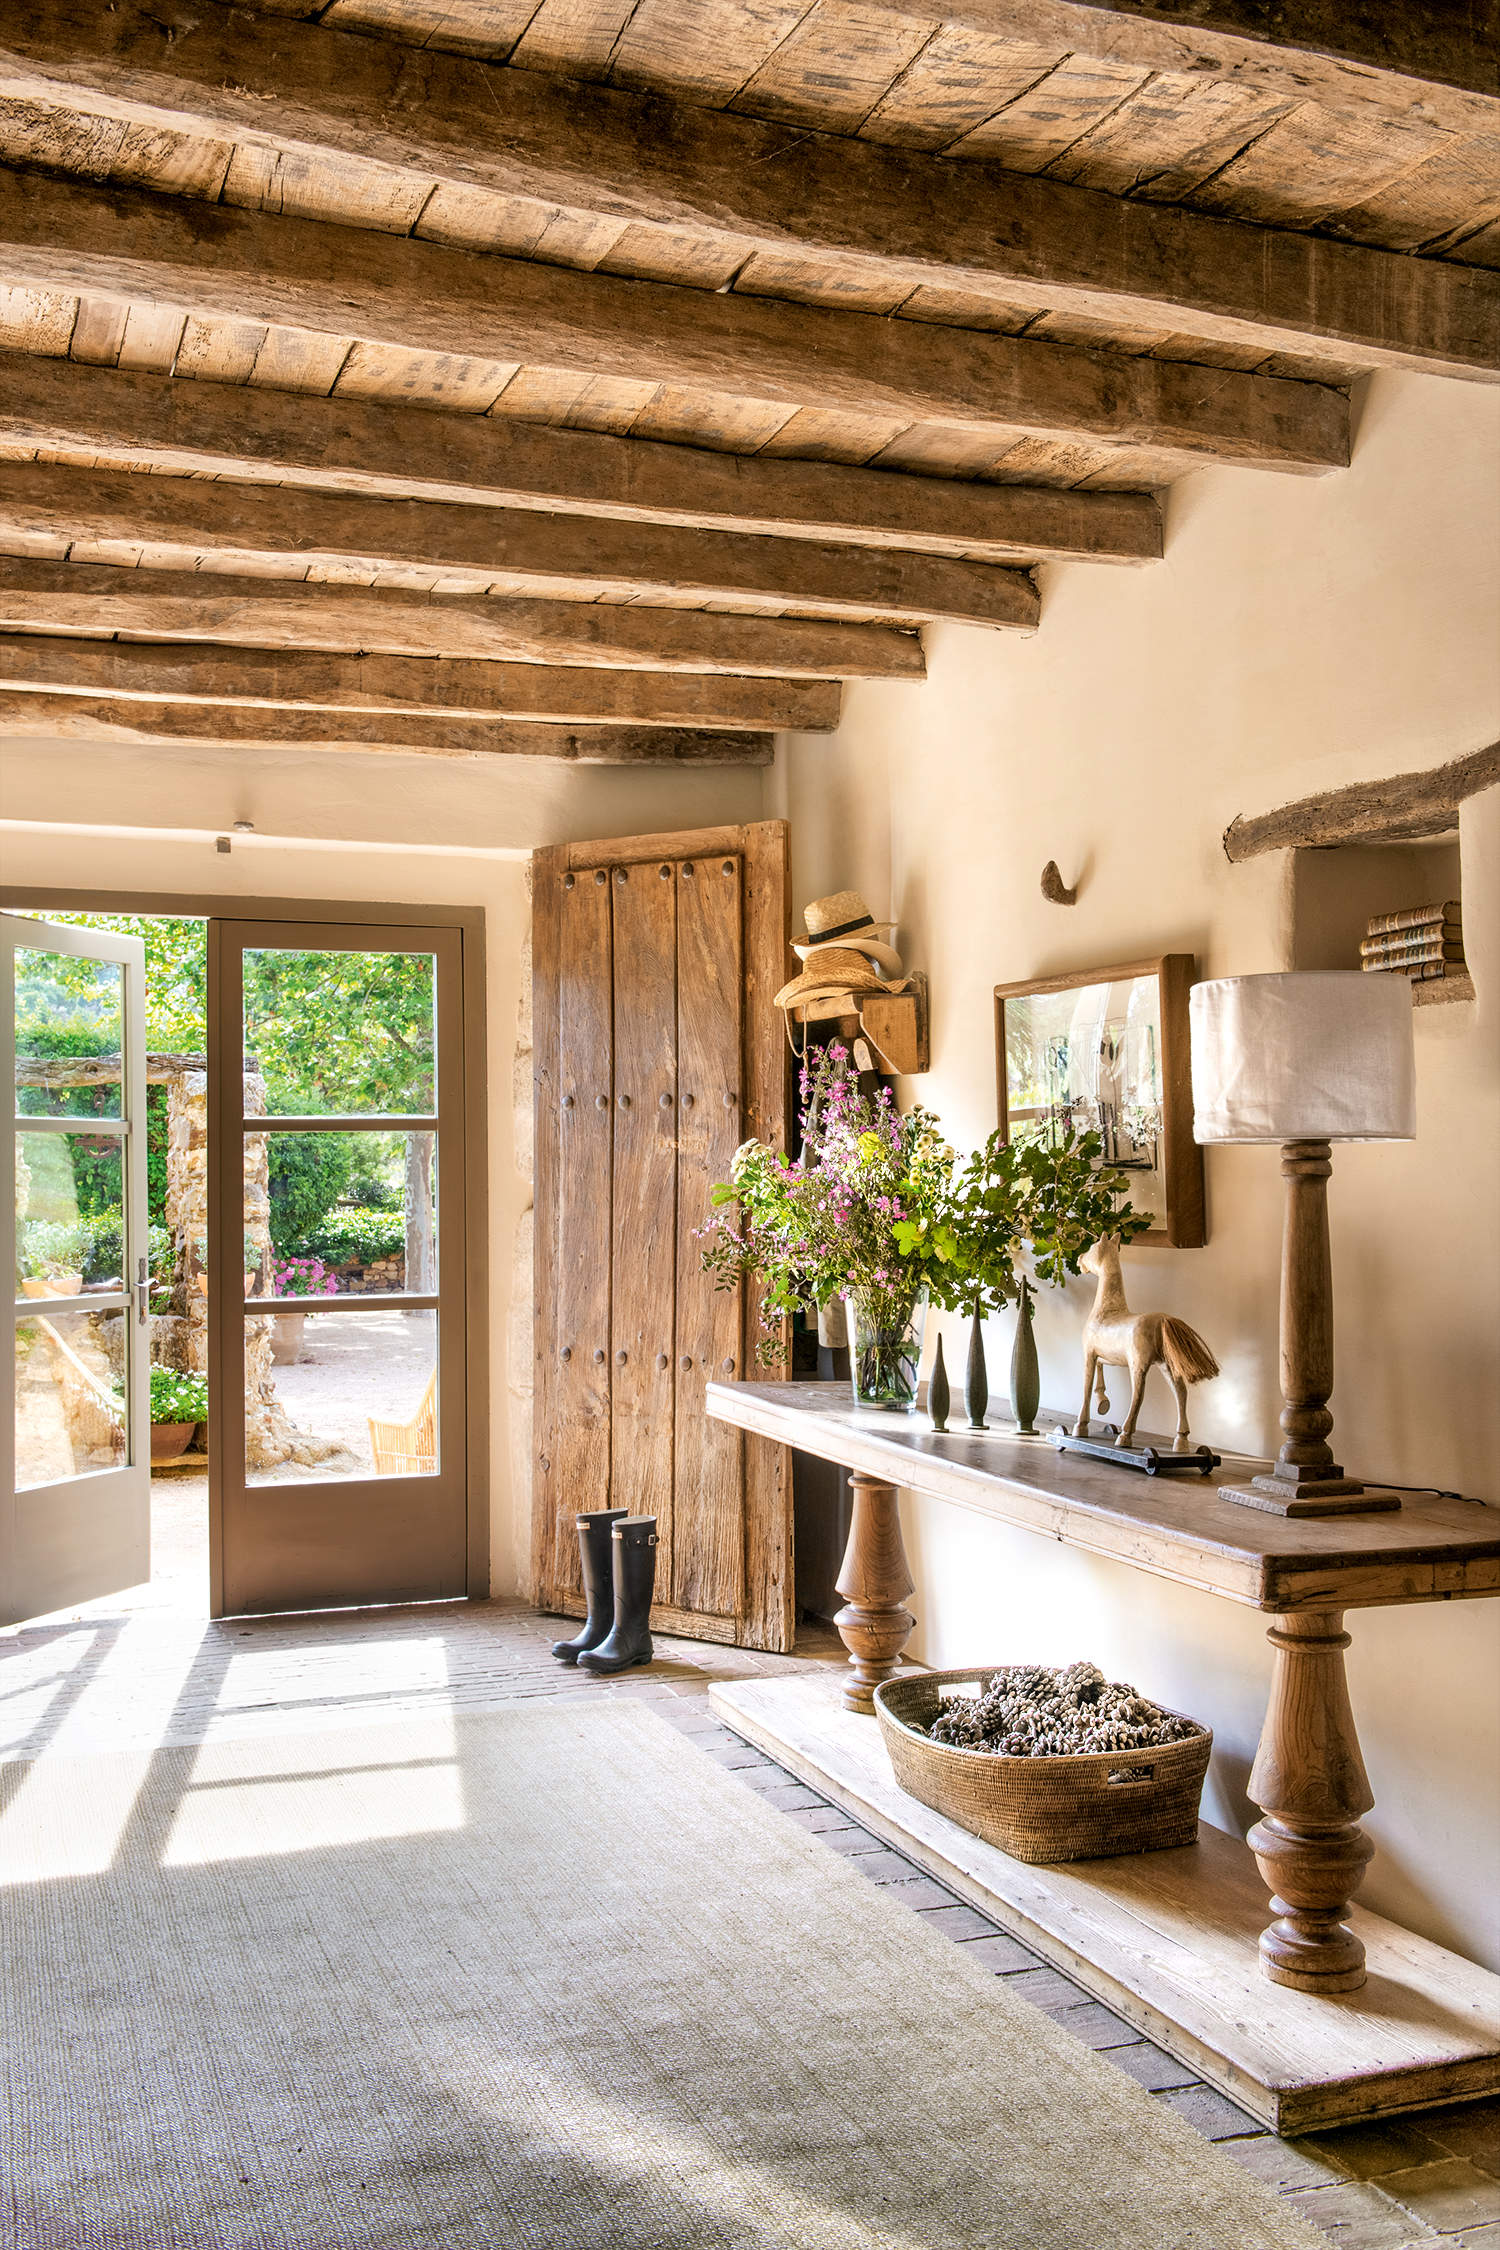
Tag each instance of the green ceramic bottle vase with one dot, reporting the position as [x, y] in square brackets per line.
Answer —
[1025, 1374]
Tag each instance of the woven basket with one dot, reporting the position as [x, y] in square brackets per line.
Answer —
[1092, 1805]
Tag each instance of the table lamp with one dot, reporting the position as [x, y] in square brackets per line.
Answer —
[1304, 1059]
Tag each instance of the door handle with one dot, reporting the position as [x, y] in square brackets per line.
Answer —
[142, 1292]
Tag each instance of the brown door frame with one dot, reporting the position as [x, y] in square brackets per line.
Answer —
[763, 847]
[469, 921]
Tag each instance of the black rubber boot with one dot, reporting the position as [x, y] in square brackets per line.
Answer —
[598, 1582]
[629, 1642]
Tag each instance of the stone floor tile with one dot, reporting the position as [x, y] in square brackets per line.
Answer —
[733, 1756]
[1211, 2113]
[1002, 1953]
[1048, 1988]
[1356, 2216]
[1472, 2238]
[958, 1921]
[1472, 2131]
[1097, 2026]
[818, 1819]
[1150, 2066]
[1394, 2144]
[691, 1716]
[885, 1866]
[792, 1796]
[757, 1772]
[696, 1721]
[1282, 2164]
[853, 1841]
[918, 1891]
[1448, 2196]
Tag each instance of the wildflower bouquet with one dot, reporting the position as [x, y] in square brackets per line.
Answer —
[862, 1213]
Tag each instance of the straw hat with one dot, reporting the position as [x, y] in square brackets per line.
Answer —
[843, 919]
[832, 970]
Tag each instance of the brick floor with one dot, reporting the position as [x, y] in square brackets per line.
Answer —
[128, 1673]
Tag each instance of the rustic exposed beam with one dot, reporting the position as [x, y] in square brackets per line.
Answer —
[454, 687]
[301, 88]
[80, 718]
[354, 445]
[348, 281]
[296, 529]
[1437, 60]
[103, 599]
[1400, 805]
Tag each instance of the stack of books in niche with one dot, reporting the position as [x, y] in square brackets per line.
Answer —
[1422, 942]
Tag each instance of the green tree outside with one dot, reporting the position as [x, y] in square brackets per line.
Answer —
[331, 1033]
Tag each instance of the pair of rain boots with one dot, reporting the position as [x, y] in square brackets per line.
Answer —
[618, 1551]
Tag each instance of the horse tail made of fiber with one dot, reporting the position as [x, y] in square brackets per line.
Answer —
[1188, 1358]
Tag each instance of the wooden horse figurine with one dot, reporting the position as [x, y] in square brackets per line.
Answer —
[1117, 1337]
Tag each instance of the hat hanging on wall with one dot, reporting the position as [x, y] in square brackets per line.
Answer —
[833, 970]
[843, 919]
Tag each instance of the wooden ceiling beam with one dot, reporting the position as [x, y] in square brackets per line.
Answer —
[1423, 57]
[746, 185]
[82, 718]
[122, 244]
[104, 599]
[439, 687]
[294, 530]
[1395, 809]
[352, 444]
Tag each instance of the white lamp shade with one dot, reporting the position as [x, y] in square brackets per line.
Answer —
[1316, 1055]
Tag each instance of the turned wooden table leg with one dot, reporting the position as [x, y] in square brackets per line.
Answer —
[1309, 1781]
[874, 1581]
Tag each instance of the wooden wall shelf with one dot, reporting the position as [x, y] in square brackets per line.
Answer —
[895, 1022]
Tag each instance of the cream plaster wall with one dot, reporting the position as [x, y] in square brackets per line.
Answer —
[1300, 634]
[405, 830]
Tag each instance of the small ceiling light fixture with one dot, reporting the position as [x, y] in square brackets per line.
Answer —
[244, 828]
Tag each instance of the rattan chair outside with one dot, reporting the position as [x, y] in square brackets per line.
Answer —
[407, 1449]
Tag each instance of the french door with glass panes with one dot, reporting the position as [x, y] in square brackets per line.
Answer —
[75, 1428]
[336, 1212]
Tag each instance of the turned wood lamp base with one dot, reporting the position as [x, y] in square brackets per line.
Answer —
[1306, 1480]
[1323, 1496]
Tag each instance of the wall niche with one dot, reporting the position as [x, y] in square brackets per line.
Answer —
[1338, 889]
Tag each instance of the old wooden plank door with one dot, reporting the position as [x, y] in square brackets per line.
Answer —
[657, 1052]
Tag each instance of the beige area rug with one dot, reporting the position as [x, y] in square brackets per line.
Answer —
[542, 1980]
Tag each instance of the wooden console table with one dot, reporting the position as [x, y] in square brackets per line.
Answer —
[1308, 1777]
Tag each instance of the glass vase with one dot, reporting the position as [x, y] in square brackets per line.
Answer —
[886, 1347]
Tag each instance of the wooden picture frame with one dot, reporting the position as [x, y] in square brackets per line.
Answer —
[1137, 1031]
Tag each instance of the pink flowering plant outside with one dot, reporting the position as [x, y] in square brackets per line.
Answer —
[303, 1277]
[862, 1213]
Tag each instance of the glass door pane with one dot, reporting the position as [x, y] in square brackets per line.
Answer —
[336, 1076]
[335, 1030]
[75, 1430]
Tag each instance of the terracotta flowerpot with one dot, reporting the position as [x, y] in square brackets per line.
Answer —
[53, 1285]
[168, 1439]
[286, 1337]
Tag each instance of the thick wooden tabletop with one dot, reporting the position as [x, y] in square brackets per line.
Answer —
[1174, 1526]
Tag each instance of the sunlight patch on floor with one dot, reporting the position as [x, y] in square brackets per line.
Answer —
[259, 1800]
[390, 1666]
[58, 1824]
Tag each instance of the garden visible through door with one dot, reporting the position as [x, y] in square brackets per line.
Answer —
[337, 1413]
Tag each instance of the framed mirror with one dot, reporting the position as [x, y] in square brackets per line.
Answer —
[1106, 1050]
